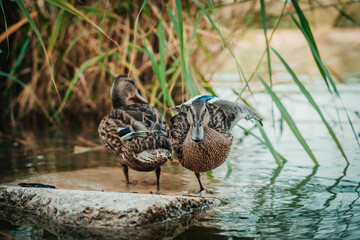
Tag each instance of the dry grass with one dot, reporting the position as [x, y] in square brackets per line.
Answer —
[83, 60]
[167, 47]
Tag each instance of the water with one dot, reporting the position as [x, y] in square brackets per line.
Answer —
[298, 201]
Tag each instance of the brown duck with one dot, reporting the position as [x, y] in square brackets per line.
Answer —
[136, 133]
[200, 132]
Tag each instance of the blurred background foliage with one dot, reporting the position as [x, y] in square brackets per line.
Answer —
[63, 72]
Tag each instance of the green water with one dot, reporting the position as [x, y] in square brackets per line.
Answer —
[298, 201]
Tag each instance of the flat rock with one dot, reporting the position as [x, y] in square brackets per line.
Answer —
[174, 180]
[98, 209]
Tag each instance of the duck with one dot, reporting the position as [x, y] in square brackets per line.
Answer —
[135, 132]
[201, 131]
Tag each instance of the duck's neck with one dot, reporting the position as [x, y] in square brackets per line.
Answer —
[119, 102]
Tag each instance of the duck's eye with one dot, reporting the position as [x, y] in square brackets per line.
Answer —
[231, 117]
[131, 81]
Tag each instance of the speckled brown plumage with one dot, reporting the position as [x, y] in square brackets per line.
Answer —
[211, 151]
[127, 150]
[145, 145]
[216, 131]
[200, 132]
[207, 154]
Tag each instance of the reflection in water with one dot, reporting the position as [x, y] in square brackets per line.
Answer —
[349, 213]
[229, 169]
[32, 226]
[40, 153]
[262, 191]
[330, 188]
[351, 205]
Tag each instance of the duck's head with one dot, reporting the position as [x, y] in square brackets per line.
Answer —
[123, 92]
[198, 116]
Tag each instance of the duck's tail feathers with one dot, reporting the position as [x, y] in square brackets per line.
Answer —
[250, 114]
[154, 155]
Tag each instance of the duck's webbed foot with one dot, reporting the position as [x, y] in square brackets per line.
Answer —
[202, 189]
[206, 191]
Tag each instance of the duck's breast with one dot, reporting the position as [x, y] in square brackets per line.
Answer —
[207, 154]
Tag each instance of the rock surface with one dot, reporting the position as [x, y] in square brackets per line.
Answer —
[174, 180]
[98, 209]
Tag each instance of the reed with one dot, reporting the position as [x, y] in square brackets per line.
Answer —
[65, 58]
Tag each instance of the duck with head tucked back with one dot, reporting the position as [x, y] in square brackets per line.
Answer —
[134, 132]
[200, 132]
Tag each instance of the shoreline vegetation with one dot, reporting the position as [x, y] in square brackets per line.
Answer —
[59, 58]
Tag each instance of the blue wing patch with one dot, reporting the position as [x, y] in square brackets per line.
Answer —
[124, 131]
[205, 98]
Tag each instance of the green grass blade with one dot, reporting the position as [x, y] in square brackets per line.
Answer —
[238, 67]
[162, 79]
[263, 21]
[193, 33]
[37, 100]
[207, 86]
[344, 15]
[135, 30]
[21, 55]
[269, 145]
[27, 15]
[173, 20]
[305, 29]
[211, 6]
[304, 22]
[71, 9]
[229, 169]
[82, 68]
[289, 120]
[185, 76]
[315, 53]
[157, 71]
[312, 102]
[275, 27]
[247, 132]
[6, 29]
[89, 149]
[74, 42]
[154, 65]
[95, 11]
[56, 31]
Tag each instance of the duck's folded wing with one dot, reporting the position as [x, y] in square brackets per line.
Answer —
[144, 113]
[179, 129]
[109, 134]
[150, 117]
[136, 121]
[119, 125]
